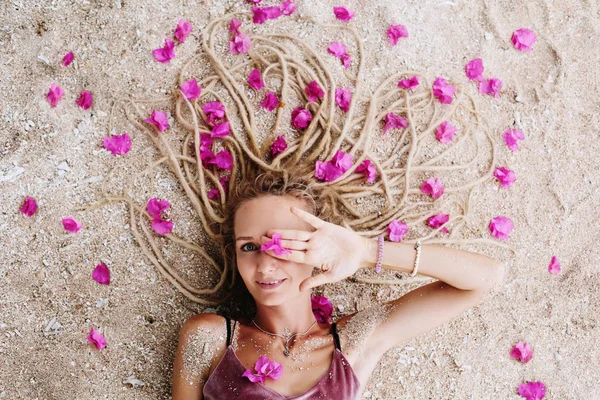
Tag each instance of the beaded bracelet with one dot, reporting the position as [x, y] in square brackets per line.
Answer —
[379, 254]
[417, 258]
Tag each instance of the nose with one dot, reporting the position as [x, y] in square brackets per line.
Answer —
[267, 264]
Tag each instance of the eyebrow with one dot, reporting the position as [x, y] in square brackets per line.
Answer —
[244, 238]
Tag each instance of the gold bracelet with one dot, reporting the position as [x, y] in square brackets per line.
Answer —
[417, 259]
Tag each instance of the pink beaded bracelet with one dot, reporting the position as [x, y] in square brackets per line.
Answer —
[379, 254]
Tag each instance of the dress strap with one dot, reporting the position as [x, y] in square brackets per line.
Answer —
[336, 338]
[228, 321]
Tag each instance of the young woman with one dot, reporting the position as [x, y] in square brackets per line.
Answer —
[318, 360]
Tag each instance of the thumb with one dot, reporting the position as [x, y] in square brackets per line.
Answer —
[314, 281]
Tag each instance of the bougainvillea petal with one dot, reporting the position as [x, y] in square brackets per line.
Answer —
[117, 144]
[511, 136]
[234, 25]
[523, 39]
[214, 110]
[270, 102]
[343, 14]
[409, 83]
[29, 207]
[162, 227]
[288, 7]
[101, 274]
[474, 69]
[155, 206]
[97, 339]
[521, 351]
[445, 132]
[158, 119]
[190, 89]
[71, 225]
[182, 31]
[279, 145]
[395, 32]
[554, 266]
[321, 308]
[224, 160]
[505, 176]
[85, 100]
[255, 80]
[369, 170]
[437, 220]
[314, 91]
[501, 227]
[67, 59]
[220, 130]
[301, 118]
[275, 246]
[396, 230]
[443, 90]
[265, 368]
[490, 86]
[343, 96]
[165, 54]
[532, 390]
[54, 94]
[393, 121]
[434, 187]
[261, 14]
[337, 49]
[240, 43]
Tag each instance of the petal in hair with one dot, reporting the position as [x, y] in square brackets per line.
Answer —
[313, 91]
[214, 110]
[288, 7]
[395, 32]
[190, 89]
[474, 69]
[490, 86]
[270, 102]
[158, 119]
[343, 96]
[343, 14]
[117, 144]
[255, 80]
[368, 169]
[224, 160]
[445, 132]
[301, 118]
[523, 39]
[220, 130]
[337, 49]
[182, 31]
[162, 227]
[156, 206]
[234, 25]
[409, 83]
[443, 90]
[279, 145]
[321, 308]
[433, 187]
[438, 220]
[165, 54]
[393, 121]
[501, 227]
[505, 176]
[396, 230]
[240, 43]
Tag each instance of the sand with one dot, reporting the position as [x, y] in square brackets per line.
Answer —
[48, 301]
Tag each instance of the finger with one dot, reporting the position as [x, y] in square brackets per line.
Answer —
[308, 217]
[295, 256]
[314, 281]
[291, 234]
[287, 244]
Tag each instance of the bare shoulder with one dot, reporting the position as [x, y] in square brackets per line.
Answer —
[202, 343]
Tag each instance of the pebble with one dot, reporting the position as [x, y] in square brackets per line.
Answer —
[488, 36]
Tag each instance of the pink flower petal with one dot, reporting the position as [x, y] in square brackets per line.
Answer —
[434, 187]
[521, 351]
[346, 61]
[554, 266]
[101, 274]
[162, 227]
[321, 308]
[158, 119]
[343, 14]
[190, 89]
[396, 230]
[532, 390]
[279, 145]
[501, 227]
[262, 14]
[240, 44]
[275, 245]
[301, 118]
[220, 130]
[445, 132]
[234, 25]
[117, 144]
[206, 141]
[443, 90]
[396, 32]
[224, 160]
[343, 96]
[214, 110]
[97, 339]
[490, 86]
[313, 91]
[342, 160]
[54, 94]
[438, 220]
[71, 225]
[337, 49]
[166, 53]
[270, 102]
[255, 80]
[523, 39]
[505, 176]
[393, 121]
[85, 100]
[253, 378]
[67, 59]
[254, 1]
[29, 207]
[510, 138]
[156, 206]
[288, 7]
[474, 69]
[182, 31]
[368, 169]
[208, 158]
[409, 83]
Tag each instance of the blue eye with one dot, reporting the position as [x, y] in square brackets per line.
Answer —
[246, 244]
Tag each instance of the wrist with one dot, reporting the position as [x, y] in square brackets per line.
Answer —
[370, 251]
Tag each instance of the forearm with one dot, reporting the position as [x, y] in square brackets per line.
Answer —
[462, 269]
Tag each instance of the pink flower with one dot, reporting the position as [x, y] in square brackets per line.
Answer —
[166, 53]
[265, 368]
[443, 90]
[234, 25]
[434, 187]
[521, 351]
[67, 59]
[208, 158]
[182, 31]
[343, 96]
[409, 83]
[279, 145]
[214, 110]
[490, 86]
[346, 60]
[214, 193]
[510, 138]
[337, 49]
[313, 91]
[206, 141]
[392, 121]
[29, 207]
[395, 32]
[532, 390]
[438, 220]
[224, 159]
[554, 266]
[85, 100]
[156, 206]
[288, 7]
[158, 119]
[240, 44]
[220, 130]
[118, 144]
[445, 132]
[254, 1]
[334, 168]
[97, 339]
[190, 89]
[54, 94]
[523, 39]
[275, 246]
[474, 69]
[396, 230]
[162, 227]
[255, 80]
[101, 274]
[501, 227]
[321, 308]
[270, 102]
[71, 225]
[505, 176]
[343, 14]
[261, 15]
[369, 170]
[301, 118]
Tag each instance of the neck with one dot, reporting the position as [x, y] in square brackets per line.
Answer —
[289, 318]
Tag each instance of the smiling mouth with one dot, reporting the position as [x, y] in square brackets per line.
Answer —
[271, 284]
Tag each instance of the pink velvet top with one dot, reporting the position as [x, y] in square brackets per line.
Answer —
[226, 382]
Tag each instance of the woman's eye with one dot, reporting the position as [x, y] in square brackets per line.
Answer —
[244, 248]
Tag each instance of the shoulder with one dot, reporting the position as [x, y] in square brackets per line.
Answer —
[209, 323]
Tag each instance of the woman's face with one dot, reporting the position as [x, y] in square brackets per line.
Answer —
[251, 222]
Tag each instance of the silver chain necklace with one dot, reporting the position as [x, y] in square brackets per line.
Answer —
[286, 337]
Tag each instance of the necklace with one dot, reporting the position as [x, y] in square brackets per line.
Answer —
[287, 336]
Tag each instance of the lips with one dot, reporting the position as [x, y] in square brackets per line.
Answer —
[267, 286]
